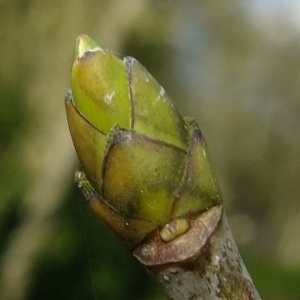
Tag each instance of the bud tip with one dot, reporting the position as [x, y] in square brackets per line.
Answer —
[84, 44]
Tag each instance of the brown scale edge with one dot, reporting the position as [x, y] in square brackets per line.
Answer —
[203, 263]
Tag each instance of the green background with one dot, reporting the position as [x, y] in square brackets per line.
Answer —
[233, 65]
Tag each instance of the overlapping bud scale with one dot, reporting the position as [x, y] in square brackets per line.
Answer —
[144, 166]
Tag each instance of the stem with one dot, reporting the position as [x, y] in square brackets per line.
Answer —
[151, 180]
[203, 263]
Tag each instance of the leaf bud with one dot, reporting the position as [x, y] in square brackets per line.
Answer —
[145, 167]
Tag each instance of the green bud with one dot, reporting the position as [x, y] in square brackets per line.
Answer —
[145, 168]
[154, 114]
[100, 86]
[174, 229]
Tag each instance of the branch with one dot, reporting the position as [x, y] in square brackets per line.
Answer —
[204, 263]
[146, 172]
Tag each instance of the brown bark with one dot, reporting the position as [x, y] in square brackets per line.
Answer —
[203, 263]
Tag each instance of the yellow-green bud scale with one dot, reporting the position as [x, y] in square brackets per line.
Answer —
[144, 165]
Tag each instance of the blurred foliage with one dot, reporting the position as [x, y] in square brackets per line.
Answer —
[85, 261]
[232, 65]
